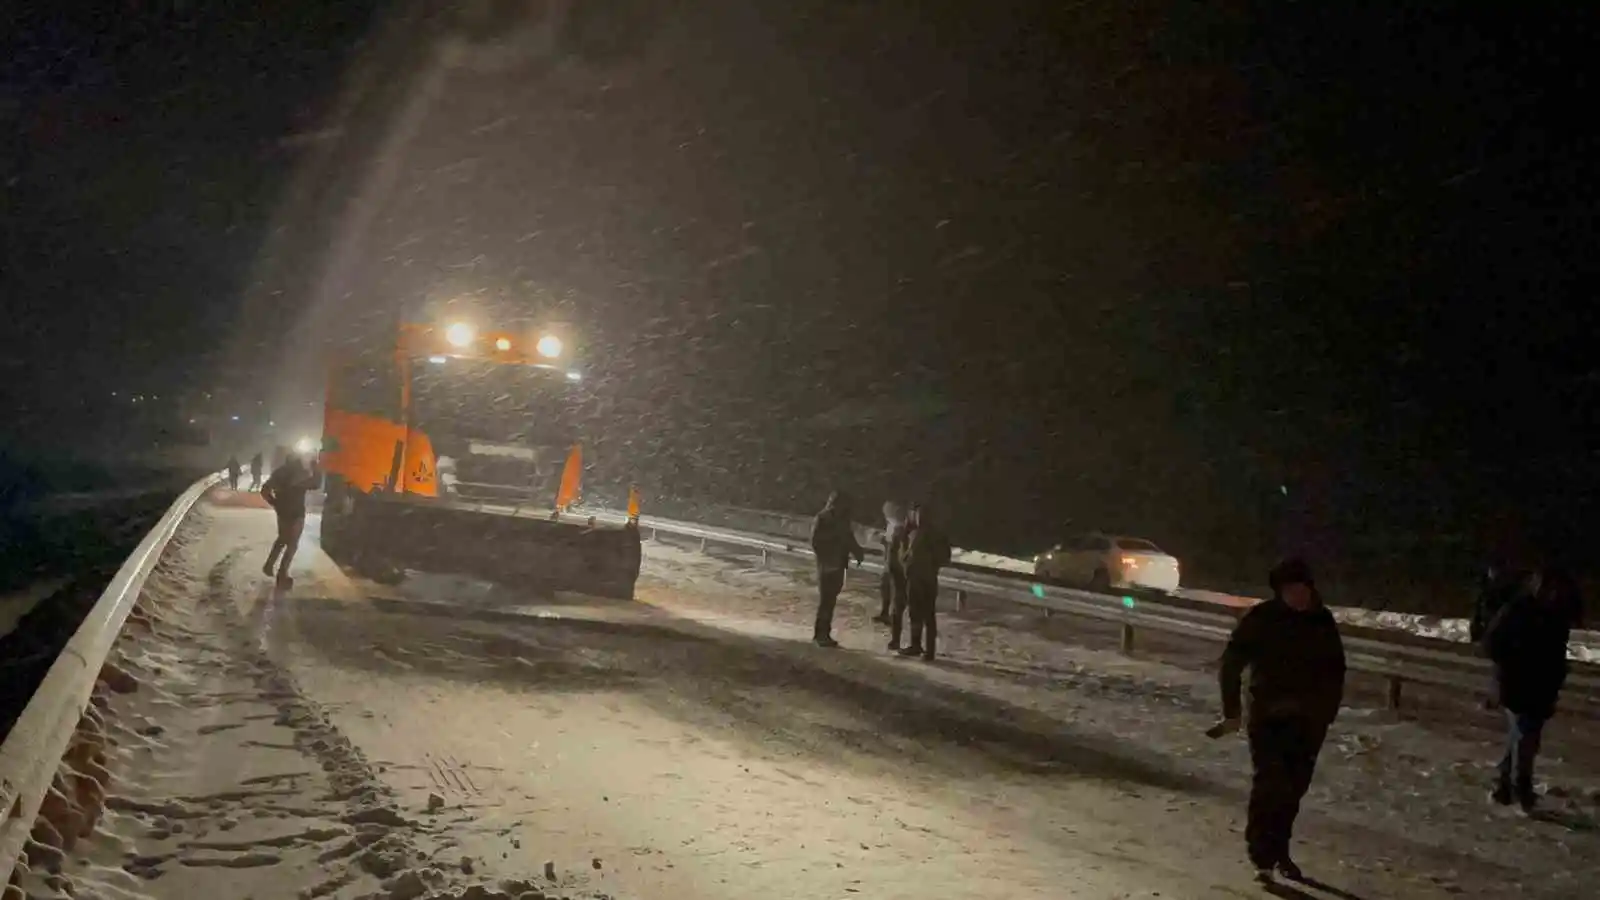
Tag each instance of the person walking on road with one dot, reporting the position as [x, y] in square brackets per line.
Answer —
[285, 492]
[1291, 646]
[1527, 640]
[256, 464]
[833, 540]
[892, 587]
[924, 552]
[233, 472]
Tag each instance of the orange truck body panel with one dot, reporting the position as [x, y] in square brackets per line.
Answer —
[360, 449]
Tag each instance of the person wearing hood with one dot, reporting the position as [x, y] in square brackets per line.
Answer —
[892, 587]
[833, 541]
[1527, 640]
[233, 472]
[923, 553]
[1291, 646]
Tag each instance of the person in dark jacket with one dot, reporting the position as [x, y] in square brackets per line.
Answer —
[233, 472]
[1527, 640]
[833, 540]
[1501, 585]
[1291, 646]
[285, 491]
[924, 553]
[256, 465]
[892, 586]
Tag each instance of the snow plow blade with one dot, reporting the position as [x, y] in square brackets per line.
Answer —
[524, 550]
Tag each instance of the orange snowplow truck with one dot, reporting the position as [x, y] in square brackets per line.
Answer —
[458, 452]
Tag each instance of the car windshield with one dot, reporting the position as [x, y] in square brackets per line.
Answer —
[1136, 544]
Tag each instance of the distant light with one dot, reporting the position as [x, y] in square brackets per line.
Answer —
[574, 376]
[502, 344]
[459, 334]
[191, 421]
[549, 346]
[305, 445]
[437, 360]
[272, 424]
[1283, 489]
[236, 418]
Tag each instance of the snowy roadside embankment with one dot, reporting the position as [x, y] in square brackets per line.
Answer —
[203, 770]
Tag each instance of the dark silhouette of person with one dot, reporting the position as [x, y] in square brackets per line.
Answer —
[833, 540]
[1292, 648]
[285, 491]
[924, 551]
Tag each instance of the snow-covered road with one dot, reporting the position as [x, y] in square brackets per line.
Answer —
[347, 740]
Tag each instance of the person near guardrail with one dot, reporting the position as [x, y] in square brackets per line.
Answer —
[1291, 646]
[1527, 640]
[924, 553]
[833, 540]
[1501, 584]
[285, 491]
[256, 465]
[892, 586]
[233, 472]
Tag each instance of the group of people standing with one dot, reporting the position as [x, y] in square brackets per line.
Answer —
[1290, 646]
[235, 472]
[914, 550]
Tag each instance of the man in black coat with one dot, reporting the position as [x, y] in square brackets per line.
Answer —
[833, 540]
[285, 491]
[1527, 640]
[1292, 648]
[924, 551]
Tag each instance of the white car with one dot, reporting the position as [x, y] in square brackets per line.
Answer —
[1106, 562]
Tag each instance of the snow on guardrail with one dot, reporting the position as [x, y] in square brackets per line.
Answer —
[31, 754]
[1397, 655]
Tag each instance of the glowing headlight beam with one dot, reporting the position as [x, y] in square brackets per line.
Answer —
[549, 346]
[460, 334]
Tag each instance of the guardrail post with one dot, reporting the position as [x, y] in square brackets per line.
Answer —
[961, 599]
[1127, 638]
[763, 558]
[1393, 699]
[655, 535]
[702, 545]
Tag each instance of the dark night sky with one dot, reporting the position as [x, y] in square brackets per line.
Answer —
[1122, 264]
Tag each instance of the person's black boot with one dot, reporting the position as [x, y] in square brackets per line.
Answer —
[912, 650]
[1501, 794]
[1287, 868]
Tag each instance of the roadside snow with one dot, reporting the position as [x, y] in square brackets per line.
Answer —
[1391, 794]
[1585, 645]
[228, 779]
[992, 561]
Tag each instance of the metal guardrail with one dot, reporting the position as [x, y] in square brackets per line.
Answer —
[1397, 657]
[32, 752]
